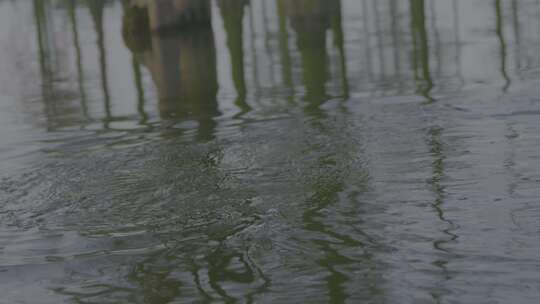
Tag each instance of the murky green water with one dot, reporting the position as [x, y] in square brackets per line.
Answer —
[270, 151]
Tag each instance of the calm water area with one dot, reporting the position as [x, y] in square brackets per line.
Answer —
[270, 151]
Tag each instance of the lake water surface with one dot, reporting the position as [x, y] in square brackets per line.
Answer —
[270, 151]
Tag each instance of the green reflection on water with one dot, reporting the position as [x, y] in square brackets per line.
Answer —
[397, 48]
[391, 53]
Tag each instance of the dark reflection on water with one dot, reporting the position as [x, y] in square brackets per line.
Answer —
[182, 63]
[269, 151]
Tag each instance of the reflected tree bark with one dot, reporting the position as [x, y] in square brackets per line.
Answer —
[311, 20]
[96, 12]
[182, 62]
[232, 12]
[286, 62]
[421, 65]
[78, 57]
[499, 28]
[46, 73]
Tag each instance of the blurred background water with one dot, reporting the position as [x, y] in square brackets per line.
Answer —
[269, 151]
